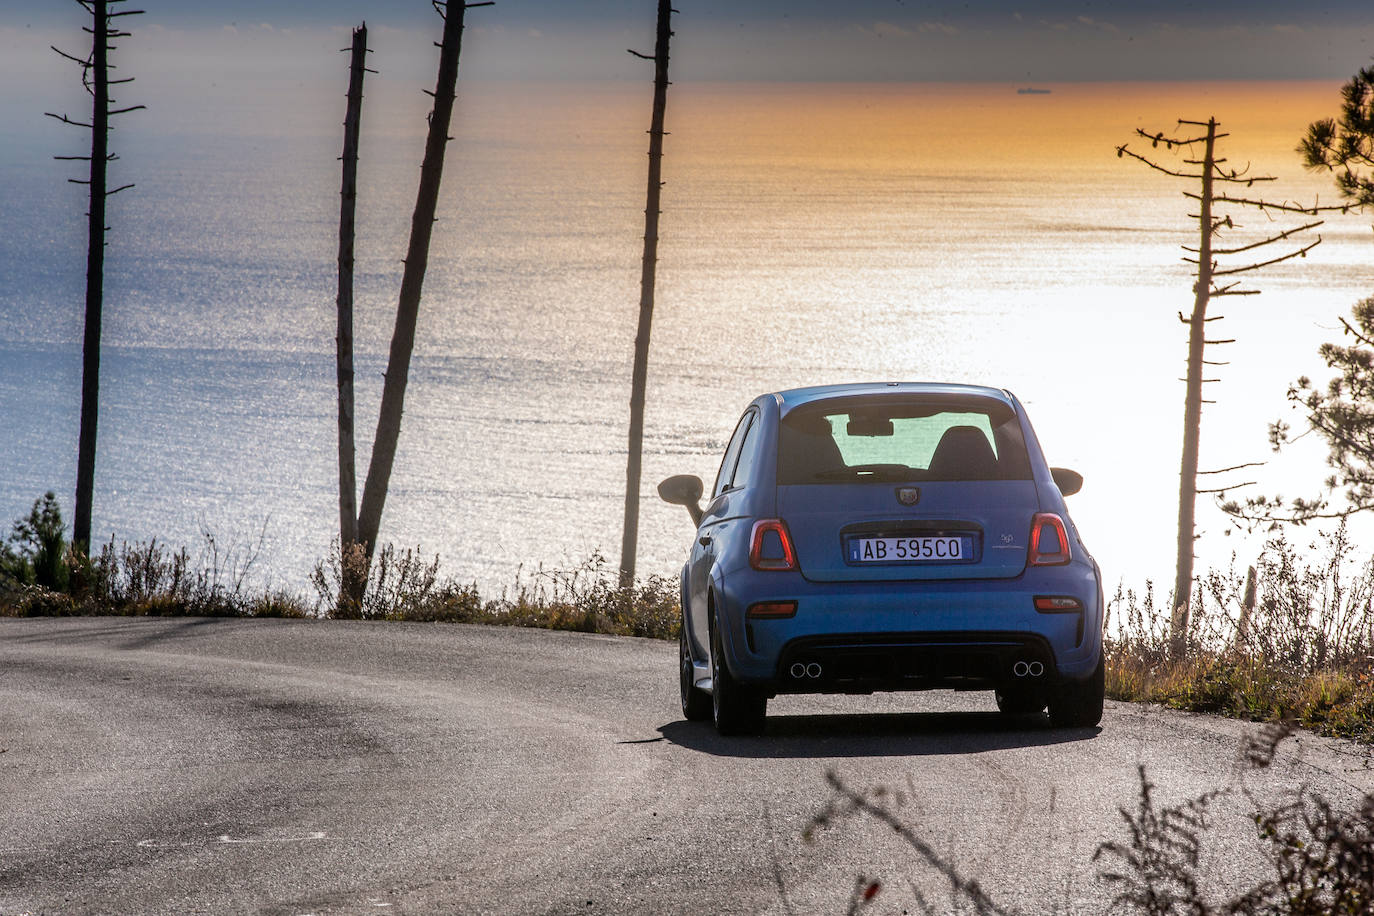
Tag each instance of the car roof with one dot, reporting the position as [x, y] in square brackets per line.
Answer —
[796, 397]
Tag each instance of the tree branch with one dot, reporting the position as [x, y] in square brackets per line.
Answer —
[1273, 238]
[66, 120]
[1122, 149]
[1238, 467]
[1300, 253]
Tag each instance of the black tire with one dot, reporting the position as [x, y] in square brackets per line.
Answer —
[696, 705]
[736, 709]
[1020, 703]
[1079, 705]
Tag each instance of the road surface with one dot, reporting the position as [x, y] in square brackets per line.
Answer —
[294, 767]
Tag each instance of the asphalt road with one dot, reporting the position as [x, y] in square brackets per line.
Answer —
[293, 767]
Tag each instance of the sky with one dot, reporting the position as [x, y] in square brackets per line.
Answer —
[791, 40]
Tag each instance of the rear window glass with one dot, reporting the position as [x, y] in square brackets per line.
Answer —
[900, 440]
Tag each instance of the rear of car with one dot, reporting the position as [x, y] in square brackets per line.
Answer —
[902, 537]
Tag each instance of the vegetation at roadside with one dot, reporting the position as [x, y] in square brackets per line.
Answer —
[402, 585]
[42, 575]
[1317, 859]
[1289, 641]
[1296, 644]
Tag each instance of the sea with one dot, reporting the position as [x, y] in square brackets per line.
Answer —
[811, 233]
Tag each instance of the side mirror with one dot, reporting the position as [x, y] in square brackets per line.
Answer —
[684, 490]
[1069, 482]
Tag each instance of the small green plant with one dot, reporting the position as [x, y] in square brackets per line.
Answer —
[35, 551]
[43, 575]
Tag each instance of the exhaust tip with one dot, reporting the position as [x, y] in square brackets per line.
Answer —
[813, 670]
[798, 670]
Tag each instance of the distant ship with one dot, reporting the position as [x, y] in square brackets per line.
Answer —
[1030, 91]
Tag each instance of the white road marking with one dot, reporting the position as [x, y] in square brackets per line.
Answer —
[225, 838]
[315, 835]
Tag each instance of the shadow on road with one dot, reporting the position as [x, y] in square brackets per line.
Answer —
[135, 632]
[878, 735]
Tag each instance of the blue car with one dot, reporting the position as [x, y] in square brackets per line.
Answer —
[888, 536]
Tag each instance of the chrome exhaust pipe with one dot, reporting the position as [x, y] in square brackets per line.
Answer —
[1020, 669]
[798, 670]
[813, 670]
[1036, 669]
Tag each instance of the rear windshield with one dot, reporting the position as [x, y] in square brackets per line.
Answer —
[887, 439]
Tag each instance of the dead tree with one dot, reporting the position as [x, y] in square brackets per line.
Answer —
[1213, 280]
[348, 195]
[629, 541]
[95, 76]
[412, 278]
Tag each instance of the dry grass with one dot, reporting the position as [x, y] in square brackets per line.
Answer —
[1315, 859]
[152, 580]
[588, 598]
[1296, 646]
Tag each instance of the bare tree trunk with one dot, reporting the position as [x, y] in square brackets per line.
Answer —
[1192, 405]
[348, 484]
[95, 274]
[629, 543]
[412, 281]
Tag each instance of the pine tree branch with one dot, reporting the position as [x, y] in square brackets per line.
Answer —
[1124, 150]
[1263, 205]
[66, 120]
[1356, 334]
[1269, 241]
[1300, 253]
[1238, 467]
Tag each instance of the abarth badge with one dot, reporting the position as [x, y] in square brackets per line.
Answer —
[908, 496]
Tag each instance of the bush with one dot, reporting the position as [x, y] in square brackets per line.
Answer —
[1288, 639]
[42, 575]
[1320, 860]
[587, 598]
[35, 551]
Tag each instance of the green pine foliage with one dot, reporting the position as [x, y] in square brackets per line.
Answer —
[34, 554]
[1342, 413]
[1345, 145]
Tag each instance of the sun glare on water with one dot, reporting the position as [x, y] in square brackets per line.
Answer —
[810, 234]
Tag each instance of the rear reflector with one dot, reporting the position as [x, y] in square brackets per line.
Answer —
[772, 610]
[1049, 541]
[770, 546]
[1057, 605]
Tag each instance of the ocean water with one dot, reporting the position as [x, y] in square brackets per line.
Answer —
[810, 234]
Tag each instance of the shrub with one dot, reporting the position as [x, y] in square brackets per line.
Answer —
[35, 551]
[587, 598]
[1287, 639]
[1320, 860]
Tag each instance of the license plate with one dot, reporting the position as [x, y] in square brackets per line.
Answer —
[906, 550]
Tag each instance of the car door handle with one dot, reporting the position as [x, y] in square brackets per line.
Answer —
[704, 540]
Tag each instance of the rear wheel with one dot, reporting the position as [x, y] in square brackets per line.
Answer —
[736, 709]
[696, 705]
[1079, 705]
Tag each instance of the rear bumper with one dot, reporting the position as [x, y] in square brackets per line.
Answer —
[865, 662]
[913, 635]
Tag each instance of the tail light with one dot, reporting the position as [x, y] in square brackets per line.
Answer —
[1049, 540]
[770, 546]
